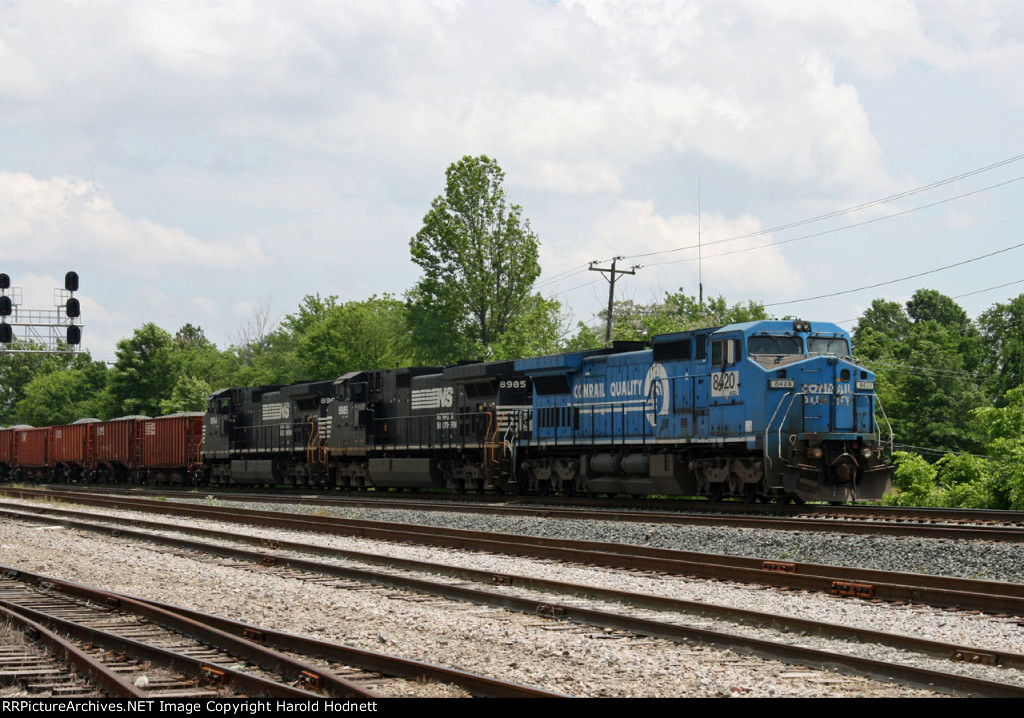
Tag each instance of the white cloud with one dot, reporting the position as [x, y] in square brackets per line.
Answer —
[71, 219]
[666, 249]
[219, 135]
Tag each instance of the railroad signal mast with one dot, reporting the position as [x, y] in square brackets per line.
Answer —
[41, 331]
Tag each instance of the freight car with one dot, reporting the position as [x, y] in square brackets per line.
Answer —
[136, 449]
[767, 409]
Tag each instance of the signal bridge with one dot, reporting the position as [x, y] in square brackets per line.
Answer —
[40, 331]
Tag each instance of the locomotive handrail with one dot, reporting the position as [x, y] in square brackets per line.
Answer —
[788, 409]
[309, 442]
[495, 418]
[768, 427]
[784, 417]
[515, 418]
[892, 437]
[488, 438]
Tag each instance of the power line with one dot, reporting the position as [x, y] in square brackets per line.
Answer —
[900, 279]
[571, 272]
[579, 269]
[823, 232]
[865, 205]
[612, 276]
[956, 296]
[987, 289]
[573, 289]
[926, 450]
[924, 371]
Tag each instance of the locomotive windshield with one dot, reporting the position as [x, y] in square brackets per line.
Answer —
[775, 344]
[829, 345]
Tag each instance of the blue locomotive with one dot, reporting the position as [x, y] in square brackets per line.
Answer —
[767, 409]
[760, 409]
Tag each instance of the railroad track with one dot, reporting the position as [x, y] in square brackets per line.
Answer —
[649, 615]
[961, 524]
[131, 650]
[940, 591]
[137, 648]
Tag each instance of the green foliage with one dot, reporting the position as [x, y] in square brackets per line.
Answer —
[926, 358]
[1008, 472]
[955, 481]
[966, 481]
[189, 394]
[913, 481]
[479, 261]
[63, 394]
[535, 331]
[1003, 429]
[144, 374]
[679, 312]
[16, 372]
[325, 339]
[370, 334]
[154, 374]
[1002, 330]
[585, 338]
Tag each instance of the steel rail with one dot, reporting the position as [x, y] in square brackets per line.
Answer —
[157, 655]
[768, 649]
[64, 650]
[943, 591]
[933, 648]
[479, 685]
[902, 521]
[294, 669]
[252, 643]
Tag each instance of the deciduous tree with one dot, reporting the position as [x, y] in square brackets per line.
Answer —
[479, 261]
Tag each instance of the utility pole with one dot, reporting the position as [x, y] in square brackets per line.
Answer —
[611, 290]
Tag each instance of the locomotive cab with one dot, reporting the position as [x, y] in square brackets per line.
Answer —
[821, 440]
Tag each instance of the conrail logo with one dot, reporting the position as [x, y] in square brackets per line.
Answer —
[656, 390]
[649, 395]
[839, 388]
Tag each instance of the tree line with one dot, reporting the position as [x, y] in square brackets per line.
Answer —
[949, 386]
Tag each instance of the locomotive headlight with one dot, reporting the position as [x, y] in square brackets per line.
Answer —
[815, 453]
[866, 452]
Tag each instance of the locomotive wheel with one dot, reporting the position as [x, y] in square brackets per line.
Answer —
[749, 493]
[716, 492]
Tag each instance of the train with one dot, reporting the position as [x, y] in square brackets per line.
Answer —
[762, 410]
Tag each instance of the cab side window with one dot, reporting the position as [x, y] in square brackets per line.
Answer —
[725, 352]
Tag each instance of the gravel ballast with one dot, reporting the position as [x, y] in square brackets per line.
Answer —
[572, 659]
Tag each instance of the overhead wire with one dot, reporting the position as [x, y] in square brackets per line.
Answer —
[925, 371]
[579, 269]
[955, 296]
[899, 279]
[815, 234]
[926, 450]
[857, 208]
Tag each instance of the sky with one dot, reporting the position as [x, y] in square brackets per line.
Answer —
[201, 162]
